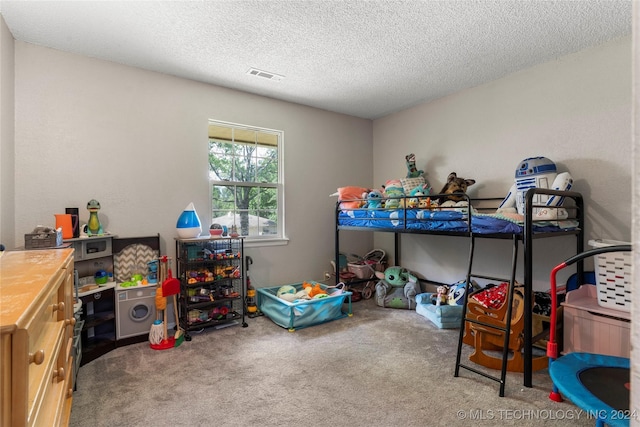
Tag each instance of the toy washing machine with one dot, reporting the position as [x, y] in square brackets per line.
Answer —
[135, 305]
[135, 310]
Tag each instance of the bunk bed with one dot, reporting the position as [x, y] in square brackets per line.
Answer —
[476, 219]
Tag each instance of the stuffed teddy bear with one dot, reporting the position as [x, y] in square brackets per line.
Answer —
[374, 199]
[397, 288]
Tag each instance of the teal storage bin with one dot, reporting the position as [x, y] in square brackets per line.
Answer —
[304, 313]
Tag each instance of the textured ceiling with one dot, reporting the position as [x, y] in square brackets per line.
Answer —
[363, 58]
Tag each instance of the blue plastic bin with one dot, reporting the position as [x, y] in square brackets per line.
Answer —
[304, 313]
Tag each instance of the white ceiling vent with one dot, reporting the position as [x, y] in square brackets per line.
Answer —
[265, 74]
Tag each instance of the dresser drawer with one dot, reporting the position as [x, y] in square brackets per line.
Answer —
[49, 350]
[37, 337]
[47, 380]
[47, 315]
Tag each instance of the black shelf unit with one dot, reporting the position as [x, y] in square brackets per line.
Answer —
[99, 331]
[212, 282]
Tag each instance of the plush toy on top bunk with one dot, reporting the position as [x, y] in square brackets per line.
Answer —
[393, 193]
[374, 199]
[397, 288]
[537, 172]
[454, 189]
[412, 170]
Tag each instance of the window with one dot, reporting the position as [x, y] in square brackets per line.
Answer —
[245, 176]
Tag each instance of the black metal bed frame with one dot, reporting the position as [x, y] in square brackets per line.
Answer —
[527, 238]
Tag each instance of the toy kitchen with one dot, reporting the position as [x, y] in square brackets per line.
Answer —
[116, 283]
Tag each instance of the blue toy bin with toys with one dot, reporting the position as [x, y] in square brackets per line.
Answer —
[303, 313]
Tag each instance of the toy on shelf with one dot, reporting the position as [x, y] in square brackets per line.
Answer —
[94, 228]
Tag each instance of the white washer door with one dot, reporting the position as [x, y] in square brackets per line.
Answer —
[140, 312]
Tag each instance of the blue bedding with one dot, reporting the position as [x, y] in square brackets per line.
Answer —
[442, 220]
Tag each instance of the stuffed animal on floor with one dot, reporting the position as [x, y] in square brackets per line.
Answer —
[397, 288]
[536, 172]
[412, 171]
[455, 188]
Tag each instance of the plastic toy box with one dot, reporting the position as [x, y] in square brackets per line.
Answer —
[589, 327]
[613, 276]
[304, 313]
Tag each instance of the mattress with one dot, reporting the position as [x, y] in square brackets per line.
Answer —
[444, 221]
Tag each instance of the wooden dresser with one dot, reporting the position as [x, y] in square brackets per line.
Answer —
[36, 327]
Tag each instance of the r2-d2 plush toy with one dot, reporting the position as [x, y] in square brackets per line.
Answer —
[536, 172]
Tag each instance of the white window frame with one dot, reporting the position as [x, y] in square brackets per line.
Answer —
[271, 239]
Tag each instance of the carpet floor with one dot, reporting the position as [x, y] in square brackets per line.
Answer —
[380, 367]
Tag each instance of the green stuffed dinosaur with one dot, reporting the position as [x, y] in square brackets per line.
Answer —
[412, 170]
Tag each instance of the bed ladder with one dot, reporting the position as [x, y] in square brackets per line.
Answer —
[504, 329]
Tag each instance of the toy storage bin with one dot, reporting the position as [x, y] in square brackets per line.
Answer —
[45, 240]
[613, 276]
[297, 315]
[591, 328]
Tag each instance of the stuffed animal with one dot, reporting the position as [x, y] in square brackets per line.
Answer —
[374, 199]
[424, 203]
[393, 192]
[314, 290]
[536, 172]
[412, 171]
[417, 196]
[454, 188]
[441, 295]
[397, 288]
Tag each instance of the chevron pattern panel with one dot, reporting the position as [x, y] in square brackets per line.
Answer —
[131, 260]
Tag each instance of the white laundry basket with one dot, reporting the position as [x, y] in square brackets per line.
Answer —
[613, 276]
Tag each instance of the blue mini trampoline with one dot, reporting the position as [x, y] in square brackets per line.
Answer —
[598, 384]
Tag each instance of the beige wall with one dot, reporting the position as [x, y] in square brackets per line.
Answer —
[575, 110]
[137, 142]
[635, 326]
[7, 153]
